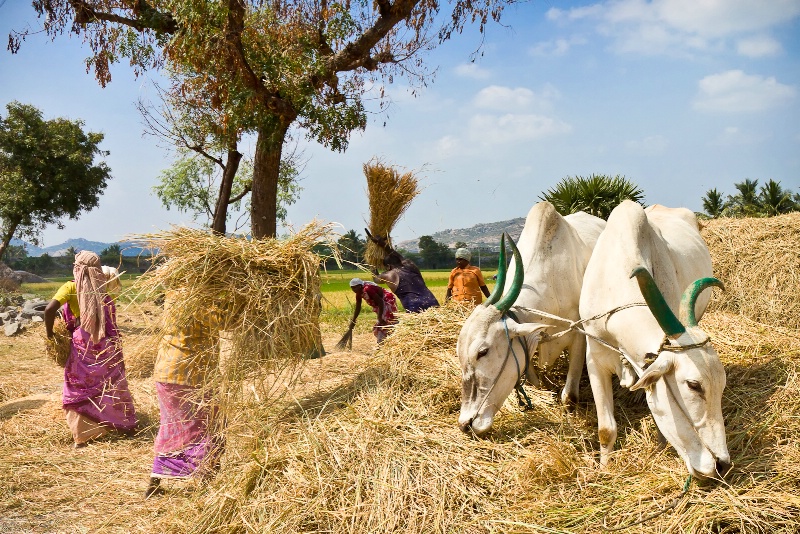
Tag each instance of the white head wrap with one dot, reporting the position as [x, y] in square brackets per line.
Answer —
[356, 282]
[463, 253]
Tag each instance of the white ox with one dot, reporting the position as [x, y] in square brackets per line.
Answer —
[496, 342]
[663, 250]
[113, 283]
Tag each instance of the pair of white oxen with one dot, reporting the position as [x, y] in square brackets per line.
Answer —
[620, 283]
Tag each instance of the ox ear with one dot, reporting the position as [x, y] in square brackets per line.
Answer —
[663, 365]
[516, 329]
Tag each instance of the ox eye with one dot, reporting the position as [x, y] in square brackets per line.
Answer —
[695, 386]
[482, 353]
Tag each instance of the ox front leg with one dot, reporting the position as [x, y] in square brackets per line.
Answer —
[599, 361]
[577, 360]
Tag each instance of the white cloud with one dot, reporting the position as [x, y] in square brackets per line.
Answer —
[759, 46]
[557, 47]
[471, 70]
[734, 91]
[653, 144]
[677, 27]
[499, 98]
[733, 135]
[446, 146]
[514, 128]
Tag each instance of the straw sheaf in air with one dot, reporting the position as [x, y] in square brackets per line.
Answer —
[758, 260]
[390, 194]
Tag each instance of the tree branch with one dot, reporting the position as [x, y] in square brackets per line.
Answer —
[148, 18]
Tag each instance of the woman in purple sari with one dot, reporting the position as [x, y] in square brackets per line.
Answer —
[95, 395]
[189, 441]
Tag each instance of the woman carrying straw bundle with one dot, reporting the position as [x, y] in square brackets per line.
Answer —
[403, 278]
[95, 395]
[188, 444]
[382, 303]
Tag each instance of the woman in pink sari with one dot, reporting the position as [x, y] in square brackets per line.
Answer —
[95, 395]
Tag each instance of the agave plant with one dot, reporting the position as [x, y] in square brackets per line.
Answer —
[597, 194]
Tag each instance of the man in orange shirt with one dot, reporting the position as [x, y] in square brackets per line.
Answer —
[466, 281]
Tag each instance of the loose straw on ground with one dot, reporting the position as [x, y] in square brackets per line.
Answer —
[390, 194]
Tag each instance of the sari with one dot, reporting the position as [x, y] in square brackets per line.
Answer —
[95, 395]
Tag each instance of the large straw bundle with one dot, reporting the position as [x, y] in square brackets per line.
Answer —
[390, 195]
[264, 295]
[758, 260]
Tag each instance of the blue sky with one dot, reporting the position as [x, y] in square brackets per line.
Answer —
[679, 96]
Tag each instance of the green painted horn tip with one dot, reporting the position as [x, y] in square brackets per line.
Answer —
[712, 281]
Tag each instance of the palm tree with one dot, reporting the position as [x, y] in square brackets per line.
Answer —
[352, 247]
[597, 194]
[713, 204]
[746, 202]
[775, 200]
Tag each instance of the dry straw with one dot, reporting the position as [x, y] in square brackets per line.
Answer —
[758, 260]
[390, 194]
[59, 346]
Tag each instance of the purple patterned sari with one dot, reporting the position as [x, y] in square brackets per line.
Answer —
[187, 444]
[94, 376]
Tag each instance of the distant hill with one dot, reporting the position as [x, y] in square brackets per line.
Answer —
[79, 244]
[484, 235]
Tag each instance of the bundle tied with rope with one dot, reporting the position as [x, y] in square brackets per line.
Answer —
[390, 194]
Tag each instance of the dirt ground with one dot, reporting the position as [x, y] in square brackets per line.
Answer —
[46, 486]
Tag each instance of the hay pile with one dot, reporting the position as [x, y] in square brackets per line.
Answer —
[383, 453]
[758, 260]
[390, 194]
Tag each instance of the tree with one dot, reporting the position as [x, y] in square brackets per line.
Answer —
[460, 244]
[745, 203]
[352, 247]
[47, 172]
[433, 253]
[597, 194]
[268, 66]
[775, 200]
[14, 253]
[112, 253]
[713, 204]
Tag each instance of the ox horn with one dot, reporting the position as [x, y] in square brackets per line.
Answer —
[689, 298]
[655, 301]
[500, 281]
[516, 285]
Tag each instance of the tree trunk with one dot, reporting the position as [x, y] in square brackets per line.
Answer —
[7, 238]
[224, 198]
[266, 168]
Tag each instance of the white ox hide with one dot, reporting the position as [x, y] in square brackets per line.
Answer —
[656, 254]
[546, 275]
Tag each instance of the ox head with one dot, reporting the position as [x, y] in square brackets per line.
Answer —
[687, 403]
[113, 283]
[489, 369]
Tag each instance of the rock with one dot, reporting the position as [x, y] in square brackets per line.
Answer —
[12, 329]
[6, 315]
[24, 277]
[37, 319]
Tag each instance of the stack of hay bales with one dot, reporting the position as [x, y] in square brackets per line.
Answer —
[390, 195]
[758, 260]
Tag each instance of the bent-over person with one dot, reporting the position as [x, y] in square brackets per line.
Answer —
[95, 395]
[382, 303]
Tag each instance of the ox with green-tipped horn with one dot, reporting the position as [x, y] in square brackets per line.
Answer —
[670, 324]
[500, 301]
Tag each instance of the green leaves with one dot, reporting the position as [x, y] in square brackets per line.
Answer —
[47, 171]
[597, 194]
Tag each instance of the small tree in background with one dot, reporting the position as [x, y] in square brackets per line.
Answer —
[597, 194]
[352, 247]
[435, 255]
[746, 202]
[713, 203]
[775, 200]
[47, 172]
